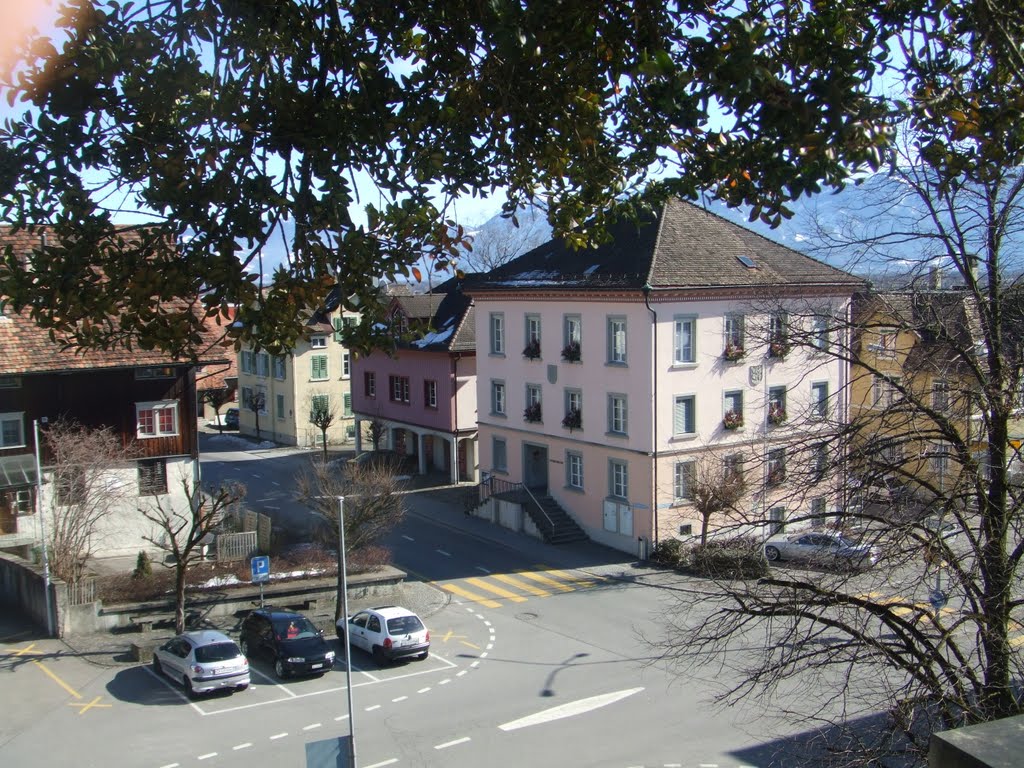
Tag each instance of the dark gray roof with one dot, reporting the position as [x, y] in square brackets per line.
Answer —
[680, 246]
[449, 312]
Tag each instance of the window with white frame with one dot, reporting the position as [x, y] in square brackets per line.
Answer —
[497, 333]
[819, 461]
[684, 415]
[318, 367]
[776, 466]
[778, 334]
[885, 391]
[685, 474]
[777, 520]
[279, 407]
[346, 405]
[572, 338]
[940, 395]
[157, 419]
[885, 342]
[280, 367]
[733, 468]
[573, 409]
[500, 450]
[399, 387]
[532, 337]
[618, 479]
[820, 333]
[533, 406]
[12, 432]
[430, 393]
[370, 383]
[732, 408]
[939, 460]
[318, 342]
[819, 510]
[498, 398]
[776, 405]
[617, 414]
[24, 501]
[684, 346]
[617, 340]
[819, 400]
[574, 470]
[245, 361]
[346, 364]
[734, 333]
[891, 452]
[263, 364]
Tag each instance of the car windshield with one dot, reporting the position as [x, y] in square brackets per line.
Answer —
[297, 627]
[403, 625]
[216, 652]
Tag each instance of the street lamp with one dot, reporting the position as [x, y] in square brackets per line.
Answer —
[345, 640]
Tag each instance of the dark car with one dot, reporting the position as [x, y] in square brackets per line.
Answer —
[231, 418]
[290, 640]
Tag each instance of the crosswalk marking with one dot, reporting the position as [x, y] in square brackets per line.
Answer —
[499, 591]
[504, 577]
[540, 578]
[588, 582]
[467, 595]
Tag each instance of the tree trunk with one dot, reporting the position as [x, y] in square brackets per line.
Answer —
[179, 596]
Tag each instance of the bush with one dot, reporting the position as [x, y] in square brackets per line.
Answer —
[738, 558]
[143, 566]
[667, 552]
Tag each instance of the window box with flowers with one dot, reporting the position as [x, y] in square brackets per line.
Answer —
[732, 420]
[778, 349]
[573, 419]
[532, 350]
[571, 352]
[532, 413]
[776, 414]
[776, 475]
[733, 352]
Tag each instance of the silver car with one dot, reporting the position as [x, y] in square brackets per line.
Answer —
[202, 662]
[824, 549]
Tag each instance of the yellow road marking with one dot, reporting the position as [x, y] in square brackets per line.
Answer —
[472, 596]
[587, 582]
[542, 579]
[481, 584]
[1017, 641]
[520, 584]
[85, 707]
[57, 680]
[26, 651]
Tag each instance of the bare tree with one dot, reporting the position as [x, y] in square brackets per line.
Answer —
[716, 489]
[218, 398]
[86, 468]
[504, 238]
[322, 415]
[373, 505]
[257, 403]
[183, 526]
[378, 429]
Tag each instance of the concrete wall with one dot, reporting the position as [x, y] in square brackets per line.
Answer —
[22, 588]
[998, 744]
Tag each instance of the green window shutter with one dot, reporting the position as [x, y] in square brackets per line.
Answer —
[348, 403]
[337, 328]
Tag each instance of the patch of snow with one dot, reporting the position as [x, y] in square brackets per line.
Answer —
[591, 270]
[435, 337]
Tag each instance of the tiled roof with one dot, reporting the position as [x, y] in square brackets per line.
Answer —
[27, 348]
[681, 246]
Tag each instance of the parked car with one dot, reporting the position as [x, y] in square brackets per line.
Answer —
[231, 418]
[388, 633]
[883, 490]
[290, 640]
[203, 661]
[824, 549]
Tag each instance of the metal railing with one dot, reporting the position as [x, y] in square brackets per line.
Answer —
[82, 592]
[494, 486]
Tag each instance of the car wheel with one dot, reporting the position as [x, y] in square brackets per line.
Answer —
[772, 553]
[189, 690]
[423, 656]
[242, 687]
[157, 667]
[279, 669]
[244, 645]
[378, 656]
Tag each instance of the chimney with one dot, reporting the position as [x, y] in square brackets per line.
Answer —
[935, 279]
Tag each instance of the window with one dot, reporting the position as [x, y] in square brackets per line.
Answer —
[819, 461]
[732, 416]
[684, 415]
[10, 382]
[263, 364]
[532, 412]
[318, 342]
[163, 372]
[532, 337]
[573, 409]
[572, 341]
[280, 367]
[885, 342]
[777, 520]
[497, 334]
[370, 384]
[430, 393]
[778, 335]
[498, 398]
[246, 361]
[734, 336]
[574, 470]
[24, 501]
[346, 364]
[500, 450]
[152, 477]
[819, 401]
[346, 405]
[617, 414]
[399, 386]
[279, 404]
[885, 391]
[684, 340]
[776, 405]
[819, 509]
[159, 419]
[318, 367]
[776, 466]
[11, 433]
[683, 481]
[732, 468]
[618, 479]
[891, 453]
[940, 396]
[820, 333]
[617, 340]
[939, 461]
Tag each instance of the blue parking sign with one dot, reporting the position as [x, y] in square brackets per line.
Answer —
[260, 569]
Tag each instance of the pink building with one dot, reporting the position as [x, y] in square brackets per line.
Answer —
[612, 378]
[423, 394]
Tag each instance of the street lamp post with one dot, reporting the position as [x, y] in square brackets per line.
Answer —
[42, 531]
[345, 640]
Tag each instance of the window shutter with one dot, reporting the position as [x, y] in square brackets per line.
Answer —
[337, 328]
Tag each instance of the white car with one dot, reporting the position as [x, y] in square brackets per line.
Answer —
[388, 633]
[202, 662]
[823, 549]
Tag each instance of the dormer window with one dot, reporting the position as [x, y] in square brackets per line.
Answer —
[747, 262]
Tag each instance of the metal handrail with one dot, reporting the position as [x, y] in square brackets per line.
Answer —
[495, 485]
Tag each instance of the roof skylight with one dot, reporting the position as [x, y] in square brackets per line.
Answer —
[747, 262]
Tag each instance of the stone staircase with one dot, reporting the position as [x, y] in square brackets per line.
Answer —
[554, 523]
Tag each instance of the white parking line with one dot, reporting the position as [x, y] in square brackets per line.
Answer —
[408, 538]
[278, 736]
[171, 765]
[207, 756]
[423, 690]
[481, 568]
[370, 709]
[392, 761]
[242, 746]
[442, 552]
[311, 727]
[447, 744]
[339, 719]
[400, 698]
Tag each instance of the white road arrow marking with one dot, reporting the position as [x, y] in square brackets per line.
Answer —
[569, 710]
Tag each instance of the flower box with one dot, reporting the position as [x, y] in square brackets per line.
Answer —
[776, 414]
[573, 420]
[532, 412]
[776, 476]
[571, 352]
[532, 350]
[732, 420]
[732, 352]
